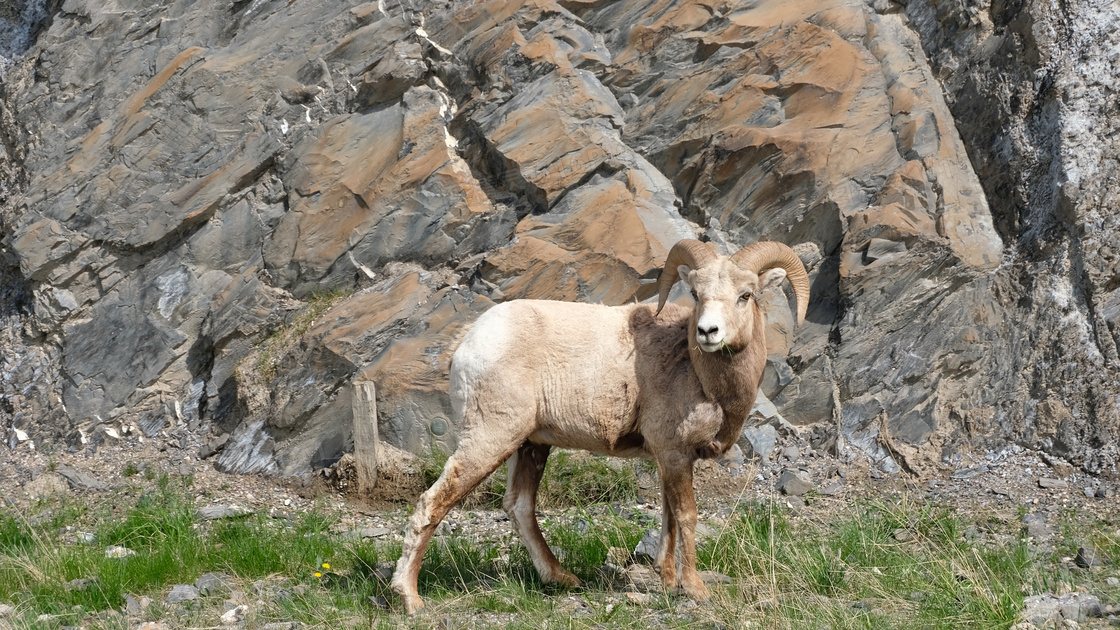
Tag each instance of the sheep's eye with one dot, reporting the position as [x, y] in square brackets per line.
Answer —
[746, 296]
[694, 296]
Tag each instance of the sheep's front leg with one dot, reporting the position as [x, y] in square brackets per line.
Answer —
[666, 562]
[676, 472]
[526, 467]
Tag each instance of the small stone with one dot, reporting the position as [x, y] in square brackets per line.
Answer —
[792, 453]
[1002, 491]
[6, 611]
[904, 535]
[642, 578]
[383, 573]
[619, 556]
[1036, 526]
[1112, 581]
[793, 483]
[758, 441]
[214, 584]
[81, 481]
[378, 602]
[969, 473]
[181, 593]
[215, 512]
[116, 551]
[80, 584]
[795, 503]
[283, 625]
[132, 605]
[733, 458]
[833, 489]
[1089, 492]
[373, 532]
[639, 599]
[646, 550]
[1086, 557]
[1056, 484]
[234, 616]
[714, 577]
[1104, 493]
[213, 446]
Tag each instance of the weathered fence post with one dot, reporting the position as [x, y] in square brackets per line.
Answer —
[364, 407]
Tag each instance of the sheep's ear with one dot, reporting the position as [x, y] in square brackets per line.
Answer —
[683, 272]
[772, 277]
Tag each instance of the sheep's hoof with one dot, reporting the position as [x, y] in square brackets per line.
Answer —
[412, 603]
[410, 599]
[695, 589]
[563, 577]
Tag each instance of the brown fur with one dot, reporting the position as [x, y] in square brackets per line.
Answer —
[623, 381]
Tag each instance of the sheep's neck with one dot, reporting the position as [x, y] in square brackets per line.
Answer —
[732, 379]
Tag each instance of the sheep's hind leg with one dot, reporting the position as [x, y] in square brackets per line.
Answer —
[526, 467]
[462, 473]
[666, 561]
[676, 474]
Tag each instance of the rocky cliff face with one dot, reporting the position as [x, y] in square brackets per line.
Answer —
[218, 215]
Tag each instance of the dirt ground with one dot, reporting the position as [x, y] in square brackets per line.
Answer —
[1001, 485]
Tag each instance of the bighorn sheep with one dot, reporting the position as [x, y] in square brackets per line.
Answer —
[672, 384]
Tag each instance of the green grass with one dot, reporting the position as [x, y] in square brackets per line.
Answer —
[271, 349]
[571, 479]
[849, 571]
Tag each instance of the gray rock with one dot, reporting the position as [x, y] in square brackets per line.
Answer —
[378, 602]
[213, 446]
[81, 481]
[6, 611]
[1047, 610]
[794, 502]
[758, 442]
[153, 239]
[646, 550]
[132, 605]
[81, 584]
[1104, 492]
[234, 616]
[117, 551]
[1046, 482]
[214, 584]
[833, 489]
[733, 458]
[792, 453]
[1036, 527]
[793, 483]
[216, 512]
[642, 578]
[1087, 557]
[181, 593]
[371, 532]
[969, 473]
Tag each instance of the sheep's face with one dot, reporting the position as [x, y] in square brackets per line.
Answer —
[726, 303]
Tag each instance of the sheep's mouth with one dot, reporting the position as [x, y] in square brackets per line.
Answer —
[710, 347]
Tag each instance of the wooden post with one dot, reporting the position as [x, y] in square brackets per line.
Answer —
[364, 406]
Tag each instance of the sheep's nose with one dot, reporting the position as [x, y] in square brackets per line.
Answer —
[707, 332]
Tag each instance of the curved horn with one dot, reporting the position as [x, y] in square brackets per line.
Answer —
[769, 254]
[686, 252]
